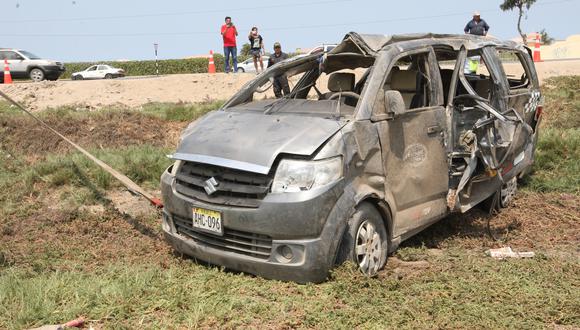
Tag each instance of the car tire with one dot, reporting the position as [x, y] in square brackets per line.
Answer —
[36, 75]
[108, 76]
[508, 192]
[241, 70]
[502, 198]
[365, 241]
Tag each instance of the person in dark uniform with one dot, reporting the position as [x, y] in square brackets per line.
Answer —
[280, 83]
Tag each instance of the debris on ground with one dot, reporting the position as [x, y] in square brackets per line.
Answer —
[77, 323]
[506, 252]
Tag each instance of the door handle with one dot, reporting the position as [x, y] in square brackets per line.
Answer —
[434, 129]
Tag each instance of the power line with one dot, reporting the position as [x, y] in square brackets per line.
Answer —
[297, 27]
[181, 13]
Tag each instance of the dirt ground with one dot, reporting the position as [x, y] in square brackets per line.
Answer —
[189, 88]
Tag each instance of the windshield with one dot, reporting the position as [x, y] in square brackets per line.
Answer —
[29, 55]
[328, 85]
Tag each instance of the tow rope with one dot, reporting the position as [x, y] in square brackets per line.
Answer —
[128, 183]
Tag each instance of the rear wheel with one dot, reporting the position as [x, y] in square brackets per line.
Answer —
[508, 192]
[36, 74]
[108, 76]
[502, 198]
[241, 70]
[365, 241]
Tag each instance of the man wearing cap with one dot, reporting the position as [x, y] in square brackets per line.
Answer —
[280, 83]
[476, 26]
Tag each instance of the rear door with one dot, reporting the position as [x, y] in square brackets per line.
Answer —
[102, 70]
[413, 148]
[16, 62]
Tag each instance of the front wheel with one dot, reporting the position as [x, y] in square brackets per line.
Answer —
[241, 70]
[365, 241]
[36, 74]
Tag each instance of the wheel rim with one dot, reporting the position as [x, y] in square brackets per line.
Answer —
[36, 75]
[368, 248]
[508, 191]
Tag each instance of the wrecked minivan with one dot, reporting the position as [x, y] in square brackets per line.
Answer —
[378, 139]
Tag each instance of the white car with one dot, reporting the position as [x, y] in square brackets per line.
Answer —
[248, 65]
[324, 48]
[99, 71]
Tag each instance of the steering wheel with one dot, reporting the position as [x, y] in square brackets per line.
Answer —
[340, 94]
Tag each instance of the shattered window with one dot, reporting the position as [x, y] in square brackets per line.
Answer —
[446, 60]
[323, 84]
[410, 77]
[477, 74]
[514, 68]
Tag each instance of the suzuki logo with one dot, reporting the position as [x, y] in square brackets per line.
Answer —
[210, 185]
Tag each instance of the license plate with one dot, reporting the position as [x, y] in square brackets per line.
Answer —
[207, 220]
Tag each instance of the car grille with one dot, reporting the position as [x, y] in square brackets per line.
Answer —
[250, 244]
[235, 187]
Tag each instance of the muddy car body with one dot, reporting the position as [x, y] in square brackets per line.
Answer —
[287, 188]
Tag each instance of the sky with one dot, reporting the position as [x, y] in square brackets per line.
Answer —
[93, 30]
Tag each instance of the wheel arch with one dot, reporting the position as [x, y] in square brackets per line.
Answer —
[32, 67]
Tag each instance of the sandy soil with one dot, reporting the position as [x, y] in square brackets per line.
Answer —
[189, 88]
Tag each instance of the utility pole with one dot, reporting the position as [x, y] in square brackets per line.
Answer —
[156, 46]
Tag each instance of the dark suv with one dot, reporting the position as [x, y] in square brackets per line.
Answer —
[27, 65]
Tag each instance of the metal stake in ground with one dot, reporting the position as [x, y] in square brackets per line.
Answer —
[156, 46]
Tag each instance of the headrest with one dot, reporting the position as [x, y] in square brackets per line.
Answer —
[404, 81]
[341, 82]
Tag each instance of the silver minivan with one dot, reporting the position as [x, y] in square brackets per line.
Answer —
[378, 139]
[24, 65]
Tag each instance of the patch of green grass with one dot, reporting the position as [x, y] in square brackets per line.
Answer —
[562, 102]
[143, 164]
[557, 166]
[468, 292]
[181, 111]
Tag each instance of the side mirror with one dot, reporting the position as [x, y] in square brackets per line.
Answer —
[392, 105]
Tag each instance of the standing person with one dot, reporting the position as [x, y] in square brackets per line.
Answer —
[280, 82]
[476, 26]
[229, 34]
[256, 48]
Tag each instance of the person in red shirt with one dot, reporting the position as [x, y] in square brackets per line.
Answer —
[229, 33]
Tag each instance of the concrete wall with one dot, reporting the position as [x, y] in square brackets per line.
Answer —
[559, 50]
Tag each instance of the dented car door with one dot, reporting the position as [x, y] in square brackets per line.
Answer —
[412, 141]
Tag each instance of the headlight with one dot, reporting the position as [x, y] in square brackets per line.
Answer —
[175, 167]
[299, 175]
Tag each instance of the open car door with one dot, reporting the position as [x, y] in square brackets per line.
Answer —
[491, 141]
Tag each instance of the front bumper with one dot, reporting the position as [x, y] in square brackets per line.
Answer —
[301, 231]
[53, 70]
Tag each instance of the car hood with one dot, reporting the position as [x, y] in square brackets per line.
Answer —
[251, 141]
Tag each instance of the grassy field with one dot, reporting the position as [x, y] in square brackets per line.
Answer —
[68, 250]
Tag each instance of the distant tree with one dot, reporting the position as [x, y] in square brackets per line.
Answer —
[546, 38]
[245, 51]
[522, 6]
